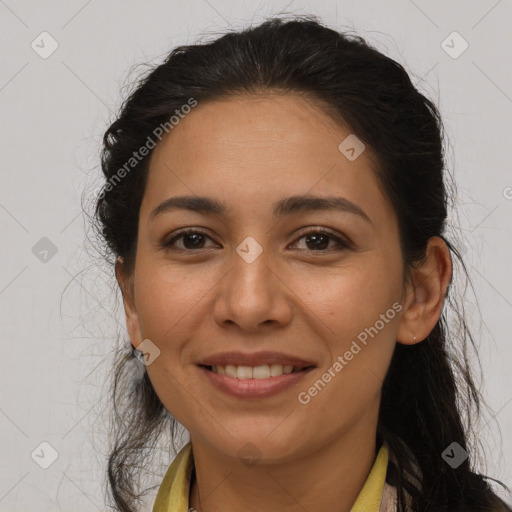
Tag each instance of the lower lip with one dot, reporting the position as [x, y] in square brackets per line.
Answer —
[254, 388]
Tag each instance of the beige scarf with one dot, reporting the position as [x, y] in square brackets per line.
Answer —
[389, 493]
[388, 503]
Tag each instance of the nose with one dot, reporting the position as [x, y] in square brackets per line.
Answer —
[252, 295]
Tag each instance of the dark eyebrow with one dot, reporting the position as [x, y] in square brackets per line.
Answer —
[281, 208]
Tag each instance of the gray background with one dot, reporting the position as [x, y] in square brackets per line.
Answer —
[60, 313]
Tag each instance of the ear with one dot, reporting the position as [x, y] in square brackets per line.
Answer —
[426, 293]
[125, 281]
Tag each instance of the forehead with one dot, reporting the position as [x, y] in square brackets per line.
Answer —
[243, 126]
[250, 151]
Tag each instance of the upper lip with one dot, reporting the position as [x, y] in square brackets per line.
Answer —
[255, 359]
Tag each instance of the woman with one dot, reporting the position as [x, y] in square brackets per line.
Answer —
[276, 204]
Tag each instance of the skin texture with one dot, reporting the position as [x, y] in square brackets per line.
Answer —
[250, 151]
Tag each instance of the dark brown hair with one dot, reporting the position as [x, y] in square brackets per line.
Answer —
[429, 390]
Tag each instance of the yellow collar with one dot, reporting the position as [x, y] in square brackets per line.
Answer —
[174, 490]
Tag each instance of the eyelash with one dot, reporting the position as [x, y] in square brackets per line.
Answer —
[168, 245]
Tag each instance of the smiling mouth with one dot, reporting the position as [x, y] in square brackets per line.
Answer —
[255, 372]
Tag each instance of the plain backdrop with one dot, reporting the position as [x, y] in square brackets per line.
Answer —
[60, 313]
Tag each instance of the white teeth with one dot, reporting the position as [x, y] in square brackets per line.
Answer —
[230, 370]
[276, 369]
[257, 372]
[287, 368]
[261, 372]
[244, 372]
[219, 369]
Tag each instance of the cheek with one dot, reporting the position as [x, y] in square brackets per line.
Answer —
[353, 297]
[357, 316]
[165, 298]
[357, 324]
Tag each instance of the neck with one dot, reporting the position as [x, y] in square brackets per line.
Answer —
[328, 478]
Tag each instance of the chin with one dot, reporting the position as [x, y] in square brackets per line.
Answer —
[256, 444]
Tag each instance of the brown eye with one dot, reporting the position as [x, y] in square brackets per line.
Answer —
[318, 240]
[192, 239]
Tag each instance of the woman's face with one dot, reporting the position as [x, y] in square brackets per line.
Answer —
[261, 279]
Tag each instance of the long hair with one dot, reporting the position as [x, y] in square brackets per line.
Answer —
[429, 398]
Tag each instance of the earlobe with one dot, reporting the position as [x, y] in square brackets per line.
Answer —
[121, 277]
[411, 331]
[428, 288]
[125, 283]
